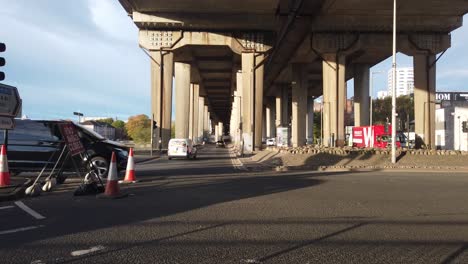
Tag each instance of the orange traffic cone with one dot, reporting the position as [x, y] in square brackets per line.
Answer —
[130, 172]
[112, 186]
[4, 172]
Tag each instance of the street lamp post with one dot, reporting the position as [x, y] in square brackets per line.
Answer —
[370, 93]
[79, 116]
[394, 85]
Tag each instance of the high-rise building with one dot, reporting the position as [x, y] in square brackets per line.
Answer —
[404, 81]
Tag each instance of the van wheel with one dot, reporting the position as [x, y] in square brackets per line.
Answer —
[169, 158]
[101, 165]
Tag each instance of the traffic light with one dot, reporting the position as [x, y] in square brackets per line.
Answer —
[2, 61]
[155, 125]
[465, 127]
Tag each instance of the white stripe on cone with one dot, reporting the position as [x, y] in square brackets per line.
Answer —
[4, 162]
[113, 175]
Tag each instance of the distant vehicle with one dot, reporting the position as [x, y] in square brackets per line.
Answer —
[220, 144]
[373, 136]
[33, 144]
[181, 148]
[271, 142]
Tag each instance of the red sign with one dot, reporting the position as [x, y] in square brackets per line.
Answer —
[72, 139]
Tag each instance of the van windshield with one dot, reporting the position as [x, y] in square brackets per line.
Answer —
[90, 132]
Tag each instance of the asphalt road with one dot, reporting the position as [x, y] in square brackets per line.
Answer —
[208, 211]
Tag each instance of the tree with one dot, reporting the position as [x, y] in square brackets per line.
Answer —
[118, 124]
[109, 120]
[139, 128]
[120, 130]
[382, 109]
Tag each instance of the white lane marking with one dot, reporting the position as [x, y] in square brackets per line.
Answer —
[29, 210]
[86, 251]
[236, 163]
[6, 207]
[19, 229]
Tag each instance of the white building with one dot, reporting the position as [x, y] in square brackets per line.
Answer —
[449, 128]
[382, 94]
[404, 81]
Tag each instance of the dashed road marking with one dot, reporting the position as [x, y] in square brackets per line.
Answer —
[19, 229]
[86, 251]
[6, 207]
[29, 210]
[236, 163]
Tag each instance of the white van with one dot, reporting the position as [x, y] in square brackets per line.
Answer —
[181, 148]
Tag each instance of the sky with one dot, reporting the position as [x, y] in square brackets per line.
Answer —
[83, 56]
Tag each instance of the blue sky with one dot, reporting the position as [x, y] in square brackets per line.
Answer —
[83, 55]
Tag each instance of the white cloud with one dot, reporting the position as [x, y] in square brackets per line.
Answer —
[112, 19]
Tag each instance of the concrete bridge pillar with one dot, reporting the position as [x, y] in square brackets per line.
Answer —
[220, 130]
[269, 119]
[201, 115]
[193, 117]
[299, 105]
[182, 93]
[334, 99]
[206, 120]
[252, 101]
[361, 95]
[424, 99]
[310, 120]
[162, 69]
[258, 102]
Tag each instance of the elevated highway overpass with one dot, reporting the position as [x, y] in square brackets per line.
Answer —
[248, 66]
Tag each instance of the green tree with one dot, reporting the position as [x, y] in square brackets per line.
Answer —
[139, 128]
[382, 109]
[109, 120]
[118, 124]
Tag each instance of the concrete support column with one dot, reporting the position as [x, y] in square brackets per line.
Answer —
[269, 113]
[216, 132]
[361, 95]
[278, 108]
[182, 93]
[424, 99]
[206, 119]
[162, 69]
[299, 105]
[201, 116]
[258, 102]
[247, 93]
[310, 120]
[191, 112]
[220, 130]
[334, 96]
[195, 103]
[264, 123]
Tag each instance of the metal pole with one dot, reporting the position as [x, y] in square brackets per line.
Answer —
[370, 95]
[394, 86]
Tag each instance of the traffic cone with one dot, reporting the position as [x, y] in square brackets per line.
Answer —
[4, 172]
[130, 172]
[112, 186]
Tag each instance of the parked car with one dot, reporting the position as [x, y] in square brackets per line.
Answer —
[35, 143]
[181, 148]
[220, 144]
[271, 142]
